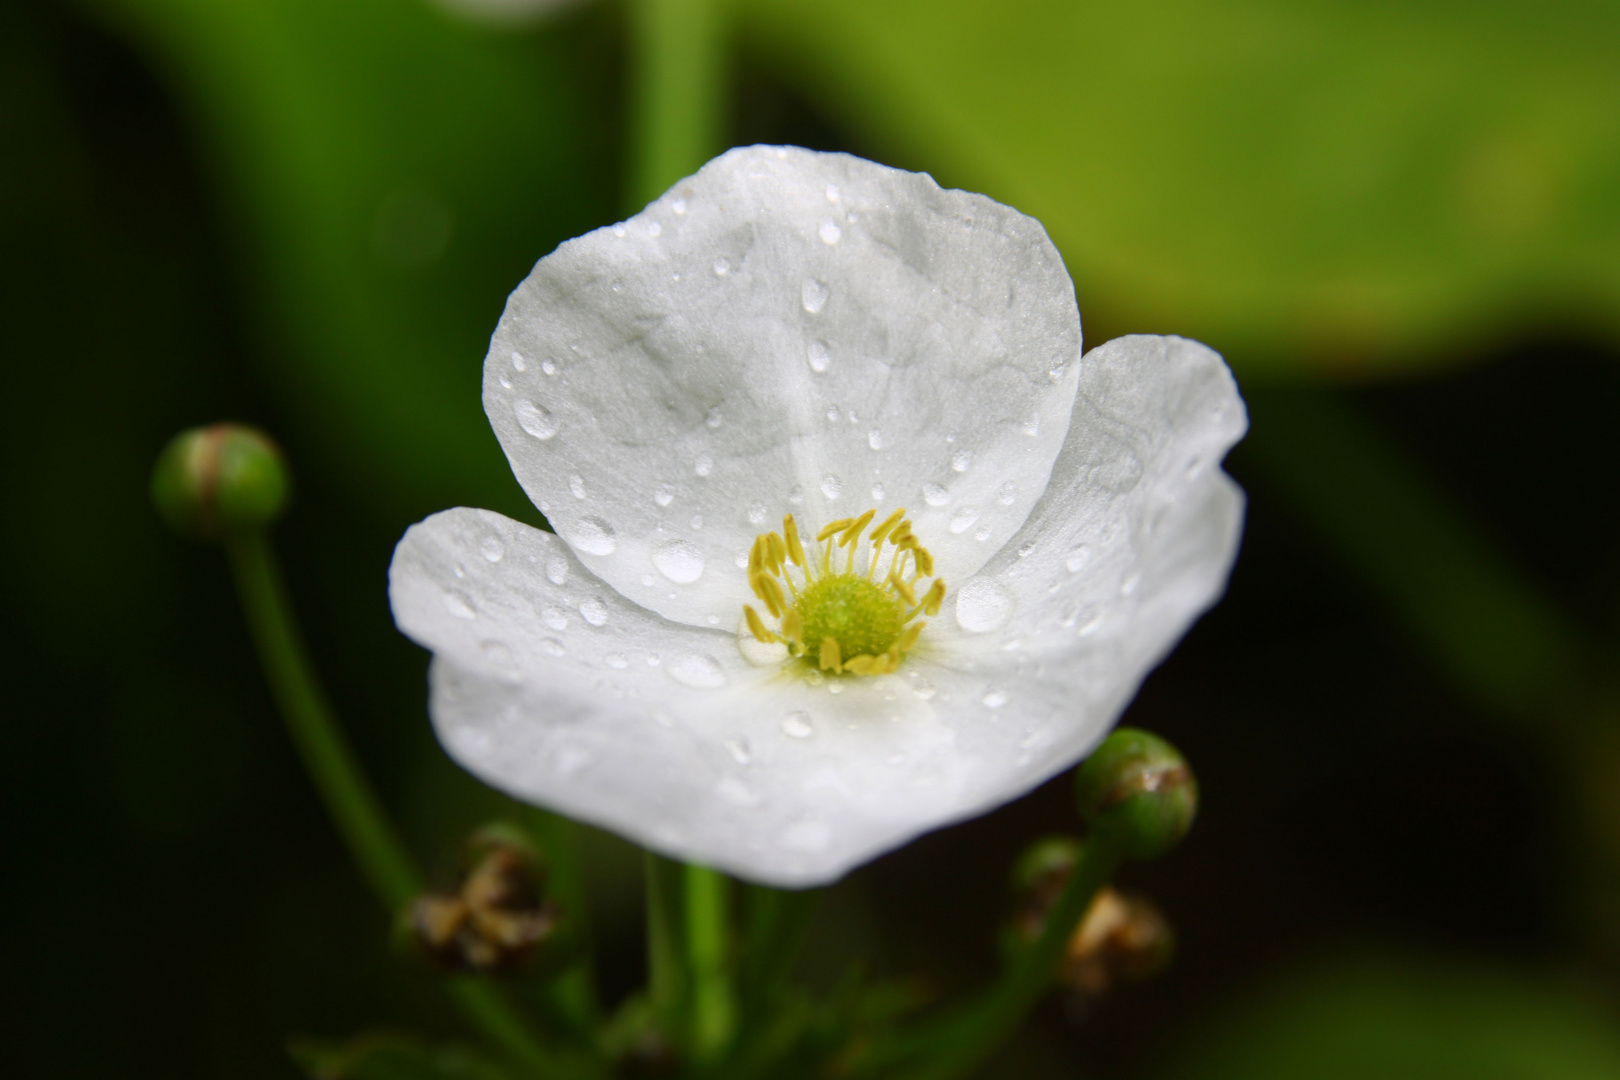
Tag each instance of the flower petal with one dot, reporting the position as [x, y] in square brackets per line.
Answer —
[785, 331]
[768, 773]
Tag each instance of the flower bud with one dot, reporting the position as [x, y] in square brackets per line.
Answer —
[1137, 793]
[496, 918]
[217, 481]
[1123, 936]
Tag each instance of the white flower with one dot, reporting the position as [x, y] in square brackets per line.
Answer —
[793, 332]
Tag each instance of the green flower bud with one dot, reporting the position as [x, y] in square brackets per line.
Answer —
[217, 481]
[1137, 793]
[1048, 860]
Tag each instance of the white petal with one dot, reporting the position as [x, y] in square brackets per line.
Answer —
[785, 331]
[767, 774]
[1132, 541]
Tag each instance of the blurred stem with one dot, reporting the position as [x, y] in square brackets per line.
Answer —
[777, 922]
[714, 1010]
[575, 989]
[958, 1043]
[676, 95]
[666, 965]
[331, 764]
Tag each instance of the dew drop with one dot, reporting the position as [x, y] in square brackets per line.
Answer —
[798, 725]
[648, 580]
[654, 229]
[576, 484]
[617, 661]
[619, 230]
[832, 193]
[498, 653]
[714, 419]
[963, 519]
[983, 533]
[664, 494]
[679, 206]
[1128, 586]
[831, 486]
[518, 363]
[814, 296]
[704, 465]
[1077, 559]
[739, 750]
[961, 461]
[506, 384]
[722, 266]
[551, 647]
[459, 606]
[548, 367]
[594, 536]
[829, 232]
[1092, 623]
[1032, 424]
[923, 689]
[741, 561]
[491, 549]
[796, 494]
[1007, 494]
[832, 414]
[697, 521]
[820, 356]
[698, 671]
[756, 514]
[995, 699]
[556, 570]
[878, 493]
[934, 495]
[534, 419]
[593, 611]
[555, 619]
[1025, 549]
[874, 439]
[679, 561]
[982, 605]
[835, 687]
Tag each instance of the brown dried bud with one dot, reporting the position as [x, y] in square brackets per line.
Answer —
[492, 923]
[1123, 936]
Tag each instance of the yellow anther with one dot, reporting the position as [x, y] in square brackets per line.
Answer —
[774, 600]
[886, 526]
[934, 597]
[909, 638]
[756, 627]
[836, 527]
[852, 535]
[793, 628]
[756, 556]
[903, 587]
[925, 561]
[861, 665]
[795, 550]
[829, 656]
[777, 551]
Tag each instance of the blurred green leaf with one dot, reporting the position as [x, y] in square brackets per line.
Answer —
[389, 174]
[1296, 183]
[1399, 1018]
[391, 1057]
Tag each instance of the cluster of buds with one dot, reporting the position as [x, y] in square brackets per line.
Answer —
[494, 920]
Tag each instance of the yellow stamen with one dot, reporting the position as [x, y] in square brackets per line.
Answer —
[836, 527]
[934, 597]
[925, 561]
[861, 665]
[909, 638]
[757, 628]
[778, 551]
[886, 526]
[904, 589]
[829, 656]
[852, 535]
[793, 629]
[795, 550]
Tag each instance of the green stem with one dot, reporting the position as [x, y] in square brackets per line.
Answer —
[957, 1044]
[714, 1009]
[575, 989]
[666, 963]
[331, 764]
[677, 92]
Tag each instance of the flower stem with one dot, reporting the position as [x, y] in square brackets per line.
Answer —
[957, 1044]
[714, 1009]
[331, 764]
[666, 963]
[676, 92]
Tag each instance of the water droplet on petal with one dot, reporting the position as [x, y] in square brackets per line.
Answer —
[878, 493]
[874, 439]
[556, 570]
[534, 419]
[654, 229]
[704, 465]
[798, 725]
[697, 521]
[491, 549]
[576, 484]
[995, 699]
[619, 230]
[722, 266]
[934, 495]
[756, 514]
[1032, 424]
[698, 671]
[814, 296]
[1025, 549]
[982, 605]
[548, 367]
[459, 606]
[796, 494]
[829, 233]
[963, 519]
[594, 536]
[832, 193]
[1077, 559]
[1007, 494]
[551, 647]
[962, 461]
[679, 206]
[831, 486]
[679, 561]
[1128, 586]
[714, 419]
[593, 611]
[923, 689]
[664, 495]
[498, 653]
[832, 414]
[554, 619]
[617, 661]
[739, 750]
[518, 363]
[506, 384]
[983, 533]
[820, 356]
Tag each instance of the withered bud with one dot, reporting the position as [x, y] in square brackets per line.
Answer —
[1123, 936]
[492, 922]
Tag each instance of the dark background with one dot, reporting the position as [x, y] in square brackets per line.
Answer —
[1402, 716]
